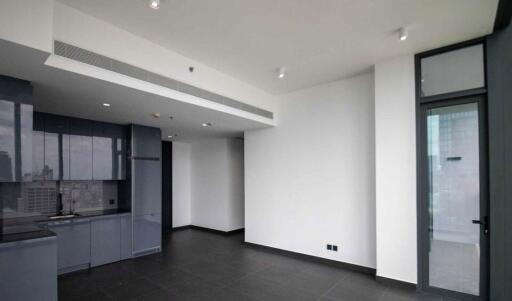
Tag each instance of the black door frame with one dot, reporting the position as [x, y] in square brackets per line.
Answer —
[166, 187]
[423, 104]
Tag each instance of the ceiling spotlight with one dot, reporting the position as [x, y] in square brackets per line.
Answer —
[402, 34]
[206, 124]
[156, 115]
[172, 136]
[106, 105]
[154, 4]
[281, 72]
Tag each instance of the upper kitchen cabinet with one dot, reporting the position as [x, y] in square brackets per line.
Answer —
[80, 149]
[56, 147]
[16, 130]
[109, 151]
[38, 167]
[146, 142]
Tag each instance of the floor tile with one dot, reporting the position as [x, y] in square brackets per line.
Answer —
[196, 265]
[132, 289]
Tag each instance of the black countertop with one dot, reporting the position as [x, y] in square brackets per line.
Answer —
[41, 233]
[33, 228]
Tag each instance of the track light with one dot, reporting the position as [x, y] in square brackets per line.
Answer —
[402, 34]
[154, 4]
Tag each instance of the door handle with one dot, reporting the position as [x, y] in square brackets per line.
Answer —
[484, 224]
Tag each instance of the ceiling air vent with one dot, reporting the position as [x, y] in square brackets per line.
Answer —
[94, 59]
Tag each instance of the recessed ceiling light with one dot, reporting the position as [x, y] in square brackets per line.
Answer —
[403, 34]
[106, 104]
[281, 72]
[206, 124]
[156, 115]
[172, 136]
[154, 4]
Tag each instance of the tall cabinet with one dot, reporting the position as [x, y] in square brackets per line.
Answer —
[146, 189]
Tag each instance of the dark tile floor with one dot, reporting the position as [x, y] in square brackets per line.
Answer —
[200, 265]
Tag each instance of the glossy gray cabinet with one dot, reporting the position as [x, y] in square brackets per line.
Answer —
[38, 167]
[147, 192]
[74, 244]
[16, 128]
[66, 148]
[146, 142]
[146, 189]
[56, 147]
[80, 149]
[109, 151]
[126, 236]
[105, 240]
[28, 270]
[147, 233]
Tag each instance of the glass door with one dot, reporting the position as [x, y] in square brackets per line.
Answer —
[455, 219]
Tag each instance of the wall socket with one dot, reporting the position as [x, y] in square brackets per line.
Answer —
[332, 248]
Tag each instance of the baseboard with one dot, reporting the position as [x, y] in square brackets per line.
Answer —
[343, 265]
[241, 230]
[181, 228]
[395, 283]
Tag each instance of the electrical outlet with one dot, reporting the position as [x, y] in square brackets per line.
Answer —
[335, 248]
[111, 202]
[329, 247]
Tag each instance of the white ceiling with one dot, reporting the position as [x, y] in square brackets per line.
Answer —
[66, 93]
[317, 40]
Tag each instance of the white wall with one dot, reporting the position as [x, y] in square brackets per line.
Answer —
[395, 153]
[217, 184]
[181, 201]
[310, 181]
[27, 22]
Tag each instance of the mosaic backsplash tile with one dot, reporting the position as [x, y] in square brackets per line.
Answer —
[40, 197]
[88, 195]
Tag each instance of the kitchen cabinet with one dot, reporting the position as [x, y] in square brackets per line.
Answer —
[56, 147]
[80, 149]
[109, 155]
[66, 148]
[29, 270]
[147, 233]
[16, 128]
[38, 169]
[147, 192]
[105, 240]
[146, 189]
[146, 142]
[126, 236]
[73, 244]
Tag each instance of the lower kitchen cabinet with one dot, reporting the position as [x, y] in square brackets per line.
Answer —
[29, 270]
[126, 236]
[147, 233]
[105, 240]
[73, 244]
[94, 241]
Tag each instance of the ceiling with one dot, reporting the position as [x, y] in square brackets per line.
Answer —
[62, 92]
[317, 41]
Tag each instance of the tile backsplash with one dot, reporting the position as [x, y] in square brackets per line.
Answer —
[40, 197]
[88, 195]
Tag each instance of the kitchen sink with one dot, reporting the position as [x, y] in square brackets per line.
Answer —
[64, 216]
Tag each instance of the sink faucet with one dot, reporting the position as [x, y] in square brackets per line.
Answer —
[59, 204]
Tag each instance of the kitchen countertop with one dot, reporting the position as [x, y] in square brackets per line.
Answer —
[32, 228]
[41, 233]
